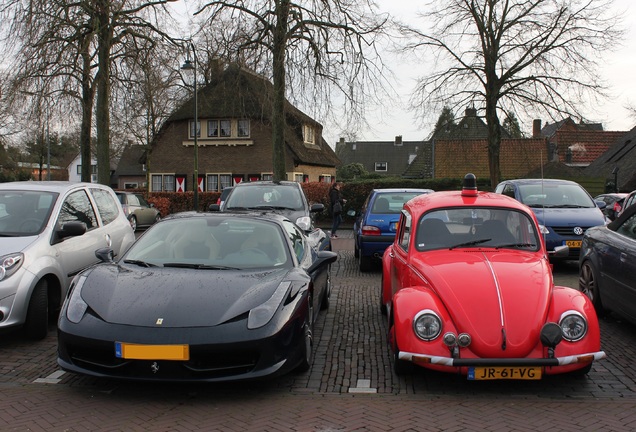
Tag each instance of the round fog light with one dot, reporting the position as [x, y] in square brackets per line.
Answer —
[464, 340]
[450, 339]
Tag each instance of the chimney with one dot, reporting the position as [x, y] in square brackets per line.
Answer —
[536, 128]
[398, 140]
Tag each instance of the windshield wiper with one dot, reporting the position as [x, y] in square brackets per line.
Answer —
[200, 266]
[470, 243]
[513, 245]
[269, 207]
[140, 263]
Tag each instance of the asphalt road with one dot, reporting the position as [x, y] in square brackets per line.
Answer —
[351, 386]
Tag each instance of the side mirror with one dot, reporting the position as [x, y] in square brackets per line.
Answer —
[324, 258]
[105, 254]
[214, 208]
[351, 213]
[71, 229]
[316, 208]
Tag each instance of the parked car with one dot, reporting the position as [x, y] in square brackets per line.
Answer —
[283, 197]
[199, 296]
[50, 231]
[607, 266]
[375, 224]
[224, 193]
[468, 288]
[612, 203]
[563, 208]
[140, 213]
[628, 201]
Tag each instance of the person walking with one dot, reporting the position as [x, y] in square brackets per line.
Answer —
[336, 203]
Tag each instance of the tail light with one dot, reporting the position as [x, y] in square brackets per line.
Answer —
[370, 230]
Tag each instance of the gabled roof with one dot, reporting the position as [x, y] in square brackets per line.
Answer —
[131, 161]
[239, 93]
[422, 165]
[581, 147]
[549, 130]
[396, 155]
[622, 155]
[469, 127]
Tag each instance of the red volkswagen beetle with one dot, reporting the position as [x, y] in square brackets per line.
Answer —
[468, 288]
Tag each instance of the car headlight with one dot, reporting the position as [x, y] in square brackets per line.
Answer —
[427, 325]
[9, 264]
[304, 222]
[76, 307]
[261, 315]
[573, 326]
[544, 230]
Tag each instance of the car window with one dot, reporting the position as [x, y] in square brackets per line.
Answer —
[77, 207]
[405, 231]
[25, 212]
[628, 228]
[296, 238]
[555, 195]
[476, 227]
[106, 205]
[391, 203]
[288, 197]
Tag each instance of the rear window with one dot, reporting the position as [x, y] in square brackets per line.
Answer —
[391, 203]
[555, 195]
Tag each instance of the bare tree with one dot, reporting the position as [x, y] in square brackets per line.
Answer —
[317, 44]
[514, 55]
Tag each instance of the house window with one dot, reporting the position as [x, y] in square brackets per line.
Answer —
[213, 128]
[213, 182]
[131, 185]
[298, 177]
[163, 183]
[381, 166]
[93, 169]
[225, 180]
[324, 178]
[192, 129]
[244, 128]
[267, 176]
[225, 128]
[308, 134]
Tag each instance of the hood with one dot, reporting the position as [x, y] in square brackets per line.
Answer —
[501, 298]
[583, 217]
[16, 244]
[135, 296]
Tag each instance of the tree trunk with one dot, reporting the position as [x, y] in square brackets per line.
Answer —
[88, 98]
[104, 38]
[278, 108]
[494, 141]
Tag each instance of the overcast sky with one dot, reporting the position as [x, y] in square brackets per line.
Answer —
[619, 71]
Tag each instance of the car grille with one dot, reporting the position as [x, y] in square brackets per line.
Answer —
[566, 231]
[203, 364]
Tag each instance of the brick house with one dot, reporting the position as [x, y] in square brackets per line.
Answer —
[235, 139]
[618, 163]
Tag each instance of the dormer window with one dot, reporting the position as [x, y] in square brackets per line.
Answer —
[308, 134]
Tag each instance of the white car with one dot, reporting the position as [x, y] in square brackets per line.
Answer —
[49, 231]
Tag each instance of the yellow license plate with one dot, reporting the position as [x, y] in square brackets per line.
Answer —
[502, 373]
[573, 243]
[152, 352]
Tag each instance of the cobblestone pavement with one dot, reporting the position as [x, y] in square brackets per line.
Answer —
[351, 386]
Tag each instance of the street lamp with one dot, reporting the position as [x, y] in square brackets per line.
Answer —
[192, 65]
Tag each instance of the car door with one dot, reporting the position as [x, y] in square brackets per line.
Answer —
[77, 253]
[400, 271]
[625, 260]
[144, 213]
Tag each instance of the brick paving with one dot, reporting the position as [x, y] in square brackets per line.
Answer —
[350, 387]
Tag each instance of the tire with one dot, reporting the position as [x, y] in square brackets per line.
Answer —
[400, 367]
[589, 285]
[133, 223]
[356, 251]
[308, 340]
[37, 319]
[383, 309]
[364, 263]
[324, 304]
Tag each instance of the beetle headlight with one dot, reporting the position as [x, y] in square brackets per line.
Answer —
[76, 305]
[261, 315]
[10, 264]
[427, 325]
[573, 326]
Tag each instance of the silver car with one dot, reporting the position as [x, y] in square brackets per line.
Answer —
[49, 231]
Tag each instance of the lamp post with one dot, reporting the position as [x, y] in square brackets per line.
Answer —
[192, 65]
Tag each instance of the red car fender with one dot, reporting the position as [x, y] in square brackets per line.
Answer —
[406, 304]
[569, 299]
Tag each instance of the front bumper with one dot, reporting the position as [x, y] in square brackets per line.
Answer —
[467, 362]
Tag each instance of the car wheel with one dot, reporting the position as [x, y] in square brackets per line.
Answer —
[356, 251]
[37, 319]
[324, 305]
[364, 262]
[308, 339]
[589, 285]
[133, 223]
[383, 308]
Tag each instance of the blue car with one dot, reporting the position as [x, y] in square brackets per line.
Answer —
[564, 209]
[376, 224]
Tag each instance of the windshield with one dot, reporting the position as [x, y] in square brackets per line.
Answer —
[550, 195]
[24, 213]
[476, 227]
[392, 203]
[222, 242]
[265, 197]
